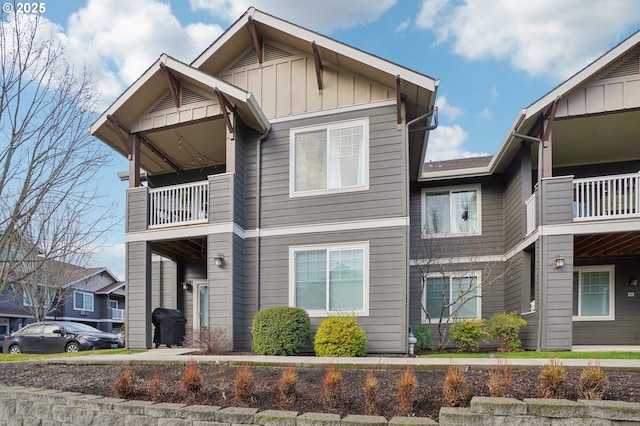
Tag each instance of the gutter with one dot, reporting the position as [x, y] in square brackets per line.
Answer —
[258, 181]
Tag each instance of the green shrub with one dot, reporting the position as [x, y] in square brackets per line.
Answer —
[504, 327]
[280, 330]
[422, 333]
[340, 336]
[467, 334]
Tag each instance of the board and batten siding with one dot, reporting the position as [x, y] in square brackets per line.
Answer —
[385, 198]
[286, 83]
[386, 325]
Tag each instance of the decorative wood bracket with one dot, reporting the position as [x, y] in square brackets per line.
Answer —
[225, 107]
[173, 83]
[550, 118]
[318, 61]
[257, 40]
[398, 100]
[122, 132]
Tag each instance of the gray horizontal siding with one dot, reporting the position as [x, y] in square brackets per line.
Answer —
[221, 289]
[514, 214]
[385, 326]
[386, 196]
[137, 205]
[557, 201]
[221, 197]
[138, 301]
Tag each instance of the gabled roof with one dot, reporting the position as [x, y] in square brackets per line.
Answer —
[111, 288]
[151, 86]
[528, 118]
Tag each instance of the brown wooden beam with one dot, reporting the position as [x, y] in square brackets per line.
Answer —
[122, 132]
[318, 61]
[257, 40]
[224, 105]
[134, 161]
[173, 83]
[551, 118]
[398, 100]
[160, 154]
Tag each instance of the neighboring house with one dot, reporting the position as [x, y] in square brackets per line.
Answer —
[556, 211]
[272, 170]
[93, 296]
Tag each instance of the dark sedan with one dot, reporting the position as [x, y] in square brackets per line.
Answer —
[59, 336]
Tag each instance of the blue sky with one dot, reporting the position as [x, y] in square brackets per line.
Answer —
[492, 57]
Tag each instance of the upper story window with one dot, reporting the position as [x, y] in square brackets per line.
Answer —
[330, 158]
[593, 293]
[83, 301]
[330, 278]
[451, 211]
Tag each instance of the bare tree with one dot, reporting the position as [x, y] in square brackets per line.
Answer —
[49, 203]
[449, 274]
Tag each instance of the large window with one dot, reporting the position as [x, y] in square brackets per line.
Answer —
[330, 158]
[325, 279]
[452, 297]
[83, 301]
[454, 211]
[593, 293]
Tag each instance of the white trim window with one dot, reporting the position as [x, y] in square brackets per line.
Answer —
[451, 297]
[593, 293]
[83, 301]
[330, 158]
[326, 279]
[451, 211]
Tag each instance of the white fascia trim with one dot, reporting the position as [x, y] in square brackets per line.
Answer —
[354, 225]
[594, 227]
[232, 227]
[333, 111]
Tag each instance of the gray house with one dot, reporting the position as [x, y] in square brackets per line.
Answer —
[549, 226]
[93, 296]
[274, 169]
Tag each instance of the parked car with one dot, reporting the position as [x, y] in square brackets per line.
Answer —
[59, 336]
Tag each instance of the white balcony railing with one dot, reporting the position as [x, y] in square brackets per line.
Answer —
[530, 206]
[606, 197]
[117, 314]
[177, 205]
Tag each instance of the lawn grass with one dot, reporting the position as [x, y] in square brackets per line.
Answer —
[541, 354]
[30, 357]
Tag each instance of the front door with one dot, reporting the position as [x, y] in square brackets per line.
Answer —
[201, 305]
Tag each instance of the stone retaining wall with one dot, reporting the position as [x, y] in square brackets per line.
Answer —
[28, 406]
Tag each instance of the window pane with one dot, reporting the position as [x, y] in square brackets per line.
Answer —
[463, 296]
[437, 213]
[88, 302]
[437, 289]
[79, 301]
[595, 294]
[346, 157]
[310, 160]
[311, 273]
[464, 211]
[346, 280]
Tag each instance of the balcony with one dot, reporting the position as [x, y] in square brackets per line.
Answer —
[606, 197]
[530, 207]
[178, 205]
[117, 314]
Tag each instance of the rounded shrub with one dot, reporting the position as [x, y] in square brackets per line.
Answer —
[505, 327]
[340, 336]
[467, 334]
[280, 330]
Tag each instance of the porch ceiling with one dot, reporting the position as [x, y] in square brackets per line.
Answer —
[192, 248]
[609, 244]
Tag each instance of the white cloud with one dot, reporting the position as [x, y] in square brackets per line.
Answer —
[445, 109]
[486, 113]
[120, 39]
[403, 26]
[544, 37]
[324, 17]
[445, 143]
[494, 93]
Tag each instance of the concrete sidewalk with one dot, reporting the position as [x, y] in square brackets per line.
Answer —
[183, 355]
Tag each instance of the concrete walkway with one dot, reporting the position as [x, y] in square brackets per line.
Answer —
[182, 355]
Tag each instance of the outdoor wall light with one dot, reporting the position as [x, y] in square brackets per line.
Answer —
[633, 281]
[187, 285]
[218, 260]
[558, 262]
